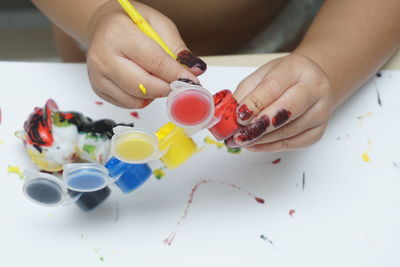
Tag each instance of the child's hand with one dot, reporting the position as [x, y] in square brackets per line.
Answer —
[283, 105]
[121, 57]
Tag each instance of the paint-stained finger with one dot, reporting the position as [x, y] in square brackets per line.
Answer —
[301, 140]
[135, 81]
[292, 104]
[113, 94]
[270, 88]
[313, 117]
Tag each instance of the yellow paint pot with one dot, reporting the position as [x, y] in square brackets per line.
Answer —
[134, 145]
[177, 146]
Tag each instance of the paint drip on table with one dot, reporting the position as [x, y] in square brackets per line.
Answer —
[168, 241]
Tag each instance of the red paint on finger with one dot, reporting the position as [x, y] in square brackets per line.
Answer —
[188, 59]
[253, 130]
[244, 113]
[281, 117]
[146, 102]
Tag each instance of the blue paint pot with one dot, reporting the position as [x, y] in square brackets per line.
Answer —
[85, 177]
[44, 189]
[128, 176]
[88, 201]
[48, 190]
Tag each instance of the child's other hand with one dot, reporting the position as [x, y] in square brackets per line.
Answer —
[284, 105]
[121, 56]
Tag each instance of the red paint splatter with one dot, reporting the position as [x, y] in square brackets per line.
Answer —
[276, 161]
[260, 200]
[168, 241]
[135, 114]
[99, 103]
[291, 212]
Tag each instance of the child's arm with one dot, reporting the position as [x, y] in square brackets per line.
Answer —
[286, 104]
[120, 56]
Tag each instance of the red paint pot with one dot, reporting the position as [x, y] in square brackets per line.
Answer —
[225, 111]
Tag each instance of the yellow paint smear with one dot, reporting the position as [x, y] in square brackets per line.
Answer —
[16, 170]
[143, 89]
[1, 142]
[209, 141]
[366, 157]
[159, 173]
[135, 147]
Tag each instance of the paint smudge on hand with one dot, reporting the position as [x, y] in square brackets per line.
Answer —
[142, 89]
[187, 58]
[244, 113]
[135, 114]
[15, 170]
[168, 241]
[254, 130]
[281, 117]
[159, 173]
[291, 212]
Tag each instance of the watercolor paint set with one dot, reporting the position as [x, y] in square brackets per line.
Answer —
[80, 159]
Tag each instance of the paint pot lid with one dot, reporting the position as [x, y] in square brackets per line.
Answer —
[197, 97]
[85, 177]
[141, 145]
[44, 189]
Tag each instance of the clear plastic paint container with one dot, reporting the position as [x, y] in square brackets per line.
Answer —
[190, 106]
[48, 190]
[134, 145]
[178, 146]
[85, 177]
[128, 177]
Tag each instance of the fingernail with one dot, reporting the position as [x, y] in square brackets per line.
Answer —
[185, 80]
[281, 117]
[230, 142]
[188, 59]
[244, 113]
[253, 131]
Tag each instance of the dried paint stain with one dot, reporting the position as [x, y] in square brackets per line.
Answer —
[16, 170]
[210, 141]
[291, 212]
[135, 114]
[159, 173]
[99, 103]
[168, 241]
[235, 150]
[276, 161]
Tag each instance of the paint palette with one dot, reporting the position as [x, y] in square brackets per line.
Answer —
[190, 107]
